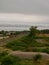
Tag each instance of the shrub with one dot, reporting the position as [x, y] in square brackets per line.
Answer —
[37, 57]
[16, 45]
[3, 54]
[10, 60]
[46, 50]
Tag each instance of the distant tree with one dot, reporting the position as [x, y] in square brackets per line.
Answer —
[4, 33]
[33, 31]
[45, 31]
[11, 33]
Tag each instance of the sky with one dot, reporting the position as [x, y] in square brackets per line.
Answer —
[24, 12]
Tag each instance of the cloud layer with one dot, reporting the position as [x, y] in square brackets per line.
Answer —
[24, 11]
[25, 6]
[14, 18]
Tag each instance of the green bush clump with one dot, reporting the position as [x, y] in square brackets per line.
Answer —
[10, 60]
[46, 50]
[3, 54]
[16, 45]
[37, 57]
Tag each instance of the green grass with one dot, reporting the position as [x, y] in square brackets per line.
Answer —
[28, 44]
[16, 45]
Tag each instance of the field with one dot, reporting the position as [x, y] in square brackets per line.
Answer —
[28, 49]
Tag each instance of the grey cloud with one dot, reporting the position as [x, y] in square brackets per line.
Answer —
[40, 7]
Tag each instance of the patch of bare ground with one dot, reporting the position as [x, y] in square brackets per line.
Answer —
[29, 55]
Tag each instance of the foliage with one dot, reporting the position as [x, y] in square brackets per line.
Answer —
[37, 57]
[33, 31]
[10, 60]
[4, 33]
[46, 31]
[46, 50]
[28, 44]
[16, 45]
[13, 60]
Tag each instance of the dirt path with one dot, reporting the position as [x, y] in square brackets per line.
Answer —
[4, 41]
[29, 55]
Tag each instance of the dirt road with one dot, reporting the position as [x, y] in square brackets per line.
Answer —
[4, 41]
[29, 54]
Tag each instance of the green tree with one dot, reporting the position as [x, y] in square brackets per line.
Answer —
[3, 33]
[33, 31]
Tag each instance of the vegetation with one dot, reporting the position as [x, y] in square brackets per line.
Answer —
[46, 31]
[7, 59]
[29, 43]
[37, 57]
[33, 31]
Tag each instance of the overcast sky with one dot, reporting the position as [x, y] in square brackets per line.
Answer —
[17, 11]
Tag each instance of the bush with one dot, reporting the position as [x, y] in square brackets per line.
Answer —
[46, 50]
[3, 54]
[37, 57]
[16, 45]
[10, 60]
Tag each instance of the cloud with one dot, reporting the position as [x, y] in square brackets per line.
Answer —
[21, 17]
[25, 6]
[24, 12]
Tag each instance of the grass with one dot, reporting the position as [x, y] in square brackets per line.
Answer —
[28, 44]
[16, 45]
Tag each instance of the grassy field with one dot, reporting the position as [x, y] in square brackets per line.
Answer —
[40, 44]
[24, 43]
